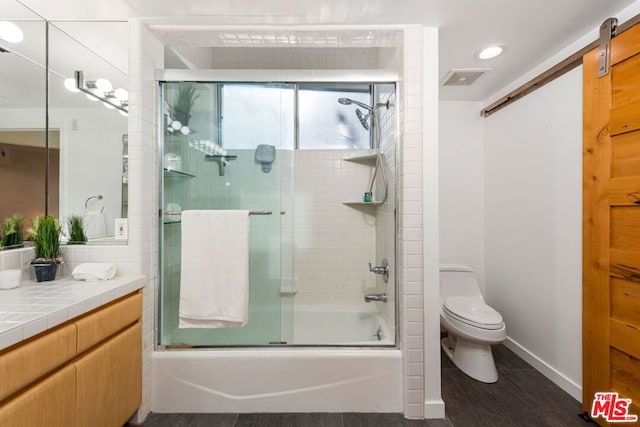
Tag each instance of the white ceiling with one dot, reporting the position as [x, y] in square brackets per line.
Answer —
[532, 30]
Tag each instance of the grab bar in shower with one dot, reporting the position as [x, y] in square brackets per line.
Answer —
[250, 213]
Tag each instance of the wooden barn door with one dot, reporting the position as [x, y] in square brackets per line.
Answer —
[611, 224]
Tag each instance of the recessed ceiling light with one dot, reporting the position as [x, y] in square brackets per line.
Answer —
[490, 52]
[10, 32]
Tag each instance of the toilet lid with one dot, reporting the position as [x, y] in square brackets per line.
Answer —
[473, 311]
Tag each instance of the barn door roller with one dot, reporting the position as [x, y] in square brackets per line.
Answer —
[607, 31]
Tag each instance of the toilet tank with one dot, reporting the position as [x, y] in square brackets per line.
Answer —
[458, 280]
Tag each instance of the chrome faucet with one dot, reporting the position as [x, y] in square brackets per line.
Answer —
[381, 269]
[375, 297]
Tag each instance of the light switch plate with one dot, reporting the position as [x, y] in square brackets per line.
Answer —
[122, 229]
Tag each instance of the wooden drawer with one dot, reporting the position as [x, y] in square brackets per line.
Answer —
[27, 363]
[104, 323]
[49, 403]
[110, 381]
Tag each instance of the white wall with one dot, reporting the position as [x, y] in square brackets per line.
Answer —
[462, 185]
[533, 210]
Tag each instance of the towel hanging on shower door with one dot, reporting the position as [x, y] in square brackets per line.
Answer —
[214, 277]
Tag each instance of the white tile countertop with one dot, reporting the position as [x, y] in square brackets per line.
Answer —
[35, 307]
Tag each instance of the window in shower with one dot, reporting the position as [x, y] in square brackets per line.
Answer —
[255, 114]
[325, 123]
[308, 256]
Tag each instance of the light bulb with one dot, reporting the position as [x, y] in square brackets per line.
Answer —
[176, 125]
[185, 130]
[10, 32]
[121, 94]
[104, 85]
[70, 84]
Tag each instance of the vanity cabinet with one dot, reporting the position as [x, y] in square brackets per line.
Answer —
[109, 383]
[50, 402]
[86, 372]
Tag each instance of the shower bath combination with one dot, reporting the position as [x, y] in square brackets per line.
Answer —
[364, 121]
[310, 333]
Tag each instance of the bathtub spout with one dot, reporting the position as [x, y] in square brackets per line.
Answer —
[375, 297]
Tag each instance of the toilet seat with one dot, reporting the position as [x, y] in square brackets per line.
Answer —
[473, 312]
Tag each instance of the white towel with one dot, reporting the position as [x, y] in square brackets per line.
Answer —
[93, 271]
[214, 278]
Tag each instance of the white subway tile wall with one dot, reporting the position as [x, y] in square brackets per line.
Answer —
[145, 56]
[410, 213]
[333, 243]
[284, 38]
[280, 58]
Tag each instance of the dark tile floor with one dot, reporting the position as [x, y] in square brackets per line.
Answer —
[522, 397]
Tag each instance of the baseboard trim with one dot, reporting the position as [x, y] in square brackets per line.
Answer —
[434, 409]
[557, 377]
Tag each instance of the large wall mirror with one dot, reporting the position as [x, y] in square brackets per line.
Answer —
[23, 155]
[93, 174]
[87, 139]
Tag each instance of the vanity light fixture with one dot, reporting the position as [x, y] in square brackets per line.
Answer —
[490, 52]
[101, 89]
[10, 32]
[70, 85]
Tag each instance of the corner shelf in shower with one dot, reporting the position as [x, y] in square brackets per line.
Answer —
[367, 159]
[360, 204]
[172, 173]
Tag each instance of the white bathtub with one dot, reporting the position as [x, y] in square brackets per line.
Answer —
[289, 379]
[317, 325]
[277, 380]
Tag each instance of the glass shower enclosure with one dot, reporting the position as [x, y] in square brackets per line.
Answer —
[238, 146]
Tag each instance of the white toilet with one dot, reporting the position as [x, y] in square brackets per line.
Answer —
[471, 324]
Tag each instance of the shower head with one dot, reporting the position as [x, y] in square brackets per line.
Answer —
[363, 118]
[349, 101]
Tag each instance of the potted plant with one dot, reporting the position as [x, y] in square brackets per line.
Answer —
[77, 235]
[180, 108]
[12, 234]
[45, 236]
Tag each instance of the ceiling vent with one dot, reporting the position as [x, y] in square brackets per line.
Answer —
[463, 76]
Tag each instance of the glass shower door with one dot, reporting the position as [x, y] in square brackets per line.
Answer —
[222, 157]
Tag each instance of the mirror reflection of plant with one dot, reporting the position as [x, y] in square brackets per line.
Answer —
[76, 230]
[182, 103]
[45, 235]
[12, 233]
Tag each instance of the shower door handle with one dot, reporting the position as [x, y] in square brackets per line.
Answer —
[381, 269]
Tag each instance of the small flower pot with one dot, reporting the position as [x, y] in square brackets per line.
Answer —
[45, 270]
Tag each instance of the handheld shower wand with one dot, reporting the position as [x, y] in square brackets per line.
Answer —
[364, 121]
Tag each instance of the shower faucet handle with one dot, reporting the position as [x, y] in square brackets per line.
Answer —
[381, 269]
